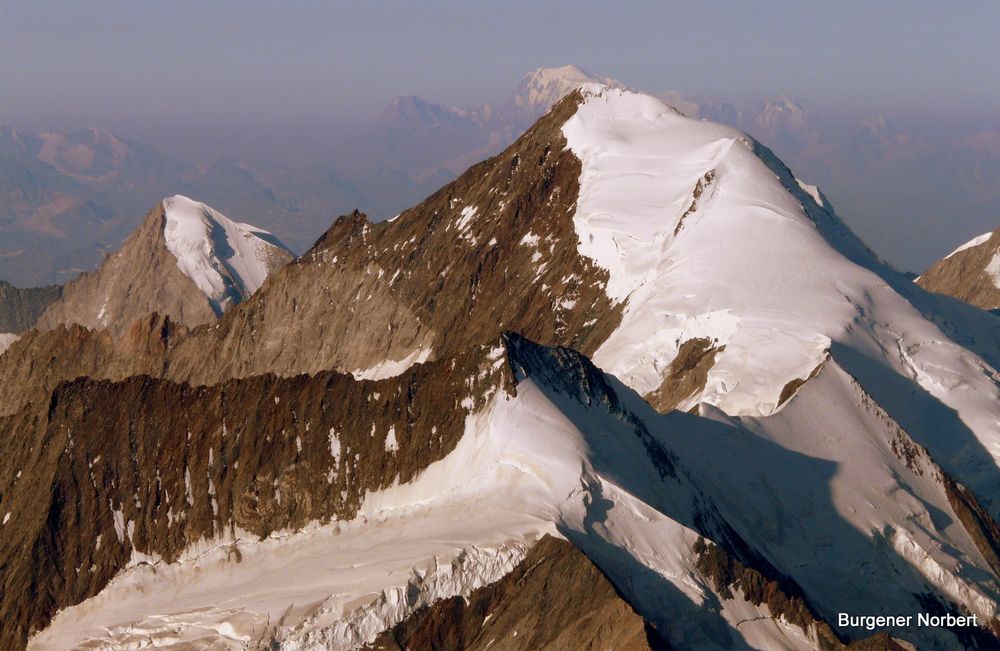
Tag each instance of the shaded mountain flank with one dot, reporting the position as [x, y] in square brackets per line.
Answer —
[20, 308]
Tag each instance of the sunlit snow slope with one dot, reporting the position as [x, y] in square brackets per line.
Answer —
[226, 260]
[703, 240]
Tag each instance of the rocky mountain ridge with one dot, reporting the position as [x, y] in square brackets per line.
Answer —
[685, 260]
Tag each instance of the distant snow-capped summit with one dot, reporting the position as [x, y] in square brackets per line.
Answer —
[541, 88]
[226, 260]
[186, 261]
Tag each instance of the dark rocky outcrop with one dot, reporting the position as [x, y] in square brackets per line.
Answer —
[729, 576]
[554, 600]
[687, 374]
[793, 386]
[146, 465]
[978, 523]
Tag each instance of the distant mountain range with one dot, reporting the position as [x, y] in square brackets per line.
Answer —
[66, 199]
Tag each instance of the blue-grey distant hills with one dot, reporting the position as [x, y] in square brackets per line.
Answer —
[67, 199]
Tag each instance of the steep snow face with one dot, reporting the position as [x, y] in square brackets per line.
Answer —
[701, 239]
[227, 261]
[859, 483]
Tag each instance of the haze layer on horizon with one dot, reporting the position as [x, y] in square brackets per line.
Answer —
[197, 78]
[292, 83]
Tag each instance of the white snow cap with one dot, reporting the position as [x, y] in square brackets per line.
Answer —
[701, 239]
[543, 87]
[227, 261]
[976, 241]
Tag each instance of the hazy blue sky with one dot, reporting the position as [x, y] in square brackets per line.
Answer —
[196, 77]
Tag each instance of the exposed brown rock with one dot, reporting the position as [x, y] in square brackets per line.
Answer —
[138, 279]
[20, 308]
[687, 374]
[151, 466]
[964, 275]
[703, 184]
[793, 386]
[727, 575]
[978, 523]
[555, 599]
[38, 362]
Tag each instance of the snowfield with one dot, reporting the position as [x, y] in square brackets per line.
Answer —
[6, 339]
[976, 241]
[744, 264]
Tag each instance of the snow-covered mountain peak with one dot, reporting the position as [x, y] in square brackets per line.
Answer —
[543, 87]
[705, 243]
[226, 260]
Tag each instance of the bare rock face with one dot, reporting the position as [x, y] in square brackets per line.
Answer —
[34, 365]
[139, 279]
[20, 308]
[107, 469]
[145, 276]
[555, 599]
[971, 273]
[494, 250]
[687, 374]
